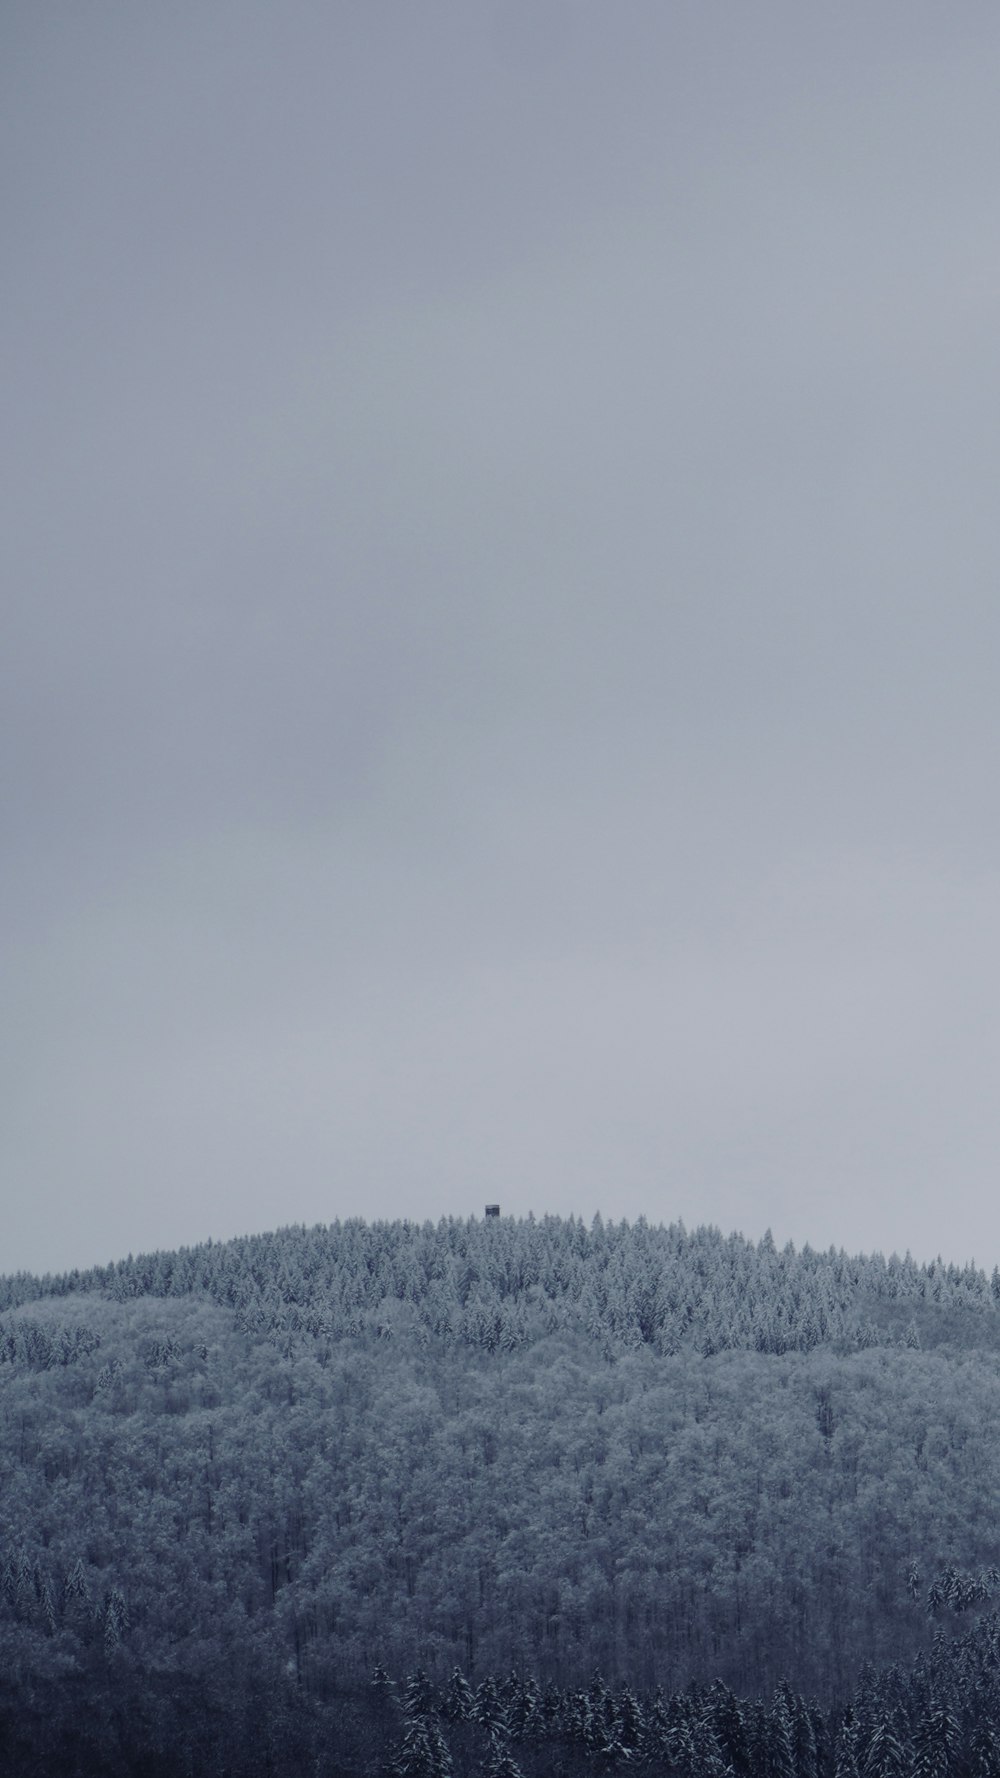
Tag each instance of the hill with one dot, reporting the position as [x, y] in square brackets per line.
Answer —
[239, 1479]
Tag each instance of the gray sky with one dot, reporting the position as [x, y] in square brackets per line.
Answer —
[500, 621]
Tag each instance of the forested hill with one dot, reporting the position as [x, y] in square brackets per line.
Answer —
[238, 1479]
[506, 1283]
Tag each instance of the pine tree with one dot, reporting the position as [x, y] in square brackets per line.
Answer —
[681, 1749]
[115, 1619]
[781, 1753]
[524, 1709]
[708, 1758]
[822, 1740]
[577, 1717]
[488, 1710]
[885, 1756]
[725, 1713]
[805, 1761]
[935, 1740]
[418, 1695]
[75, 1584]
[551, 1708]
[609, 1752]
[382, 1685]
[758, 1738]
[846, 1748]
[422, 1751]
[984, 1750]
[459, 1702]
[500, 1762]
[630, 1719]
[24, 1586]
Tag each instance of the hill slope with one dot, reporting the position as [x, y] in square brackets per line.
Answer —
[675, 1458]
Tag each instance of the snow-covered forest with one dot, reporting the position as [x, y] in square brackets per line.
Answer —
[501, 1496]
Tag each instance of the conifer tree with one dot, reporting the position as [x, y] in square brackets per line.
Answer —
[935, 1739]
[845, 1763]
[984, 1749]
[422, 1751]
[459, 1702]
[418, 1695]
[653, 1749]
[630, 1719]
[500, 1762]
[75, 1584]
[524, 1709]
[805, 1760]
[781, 1752]
[115, 1619]
[885, 1756]
[382, 1685]
[727, 1719]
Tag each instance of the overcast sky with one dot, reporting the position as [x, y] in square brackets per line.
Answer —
[500, 618]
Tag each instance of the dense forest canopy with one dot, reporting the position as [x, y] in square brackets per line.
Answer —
[252, 1474]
